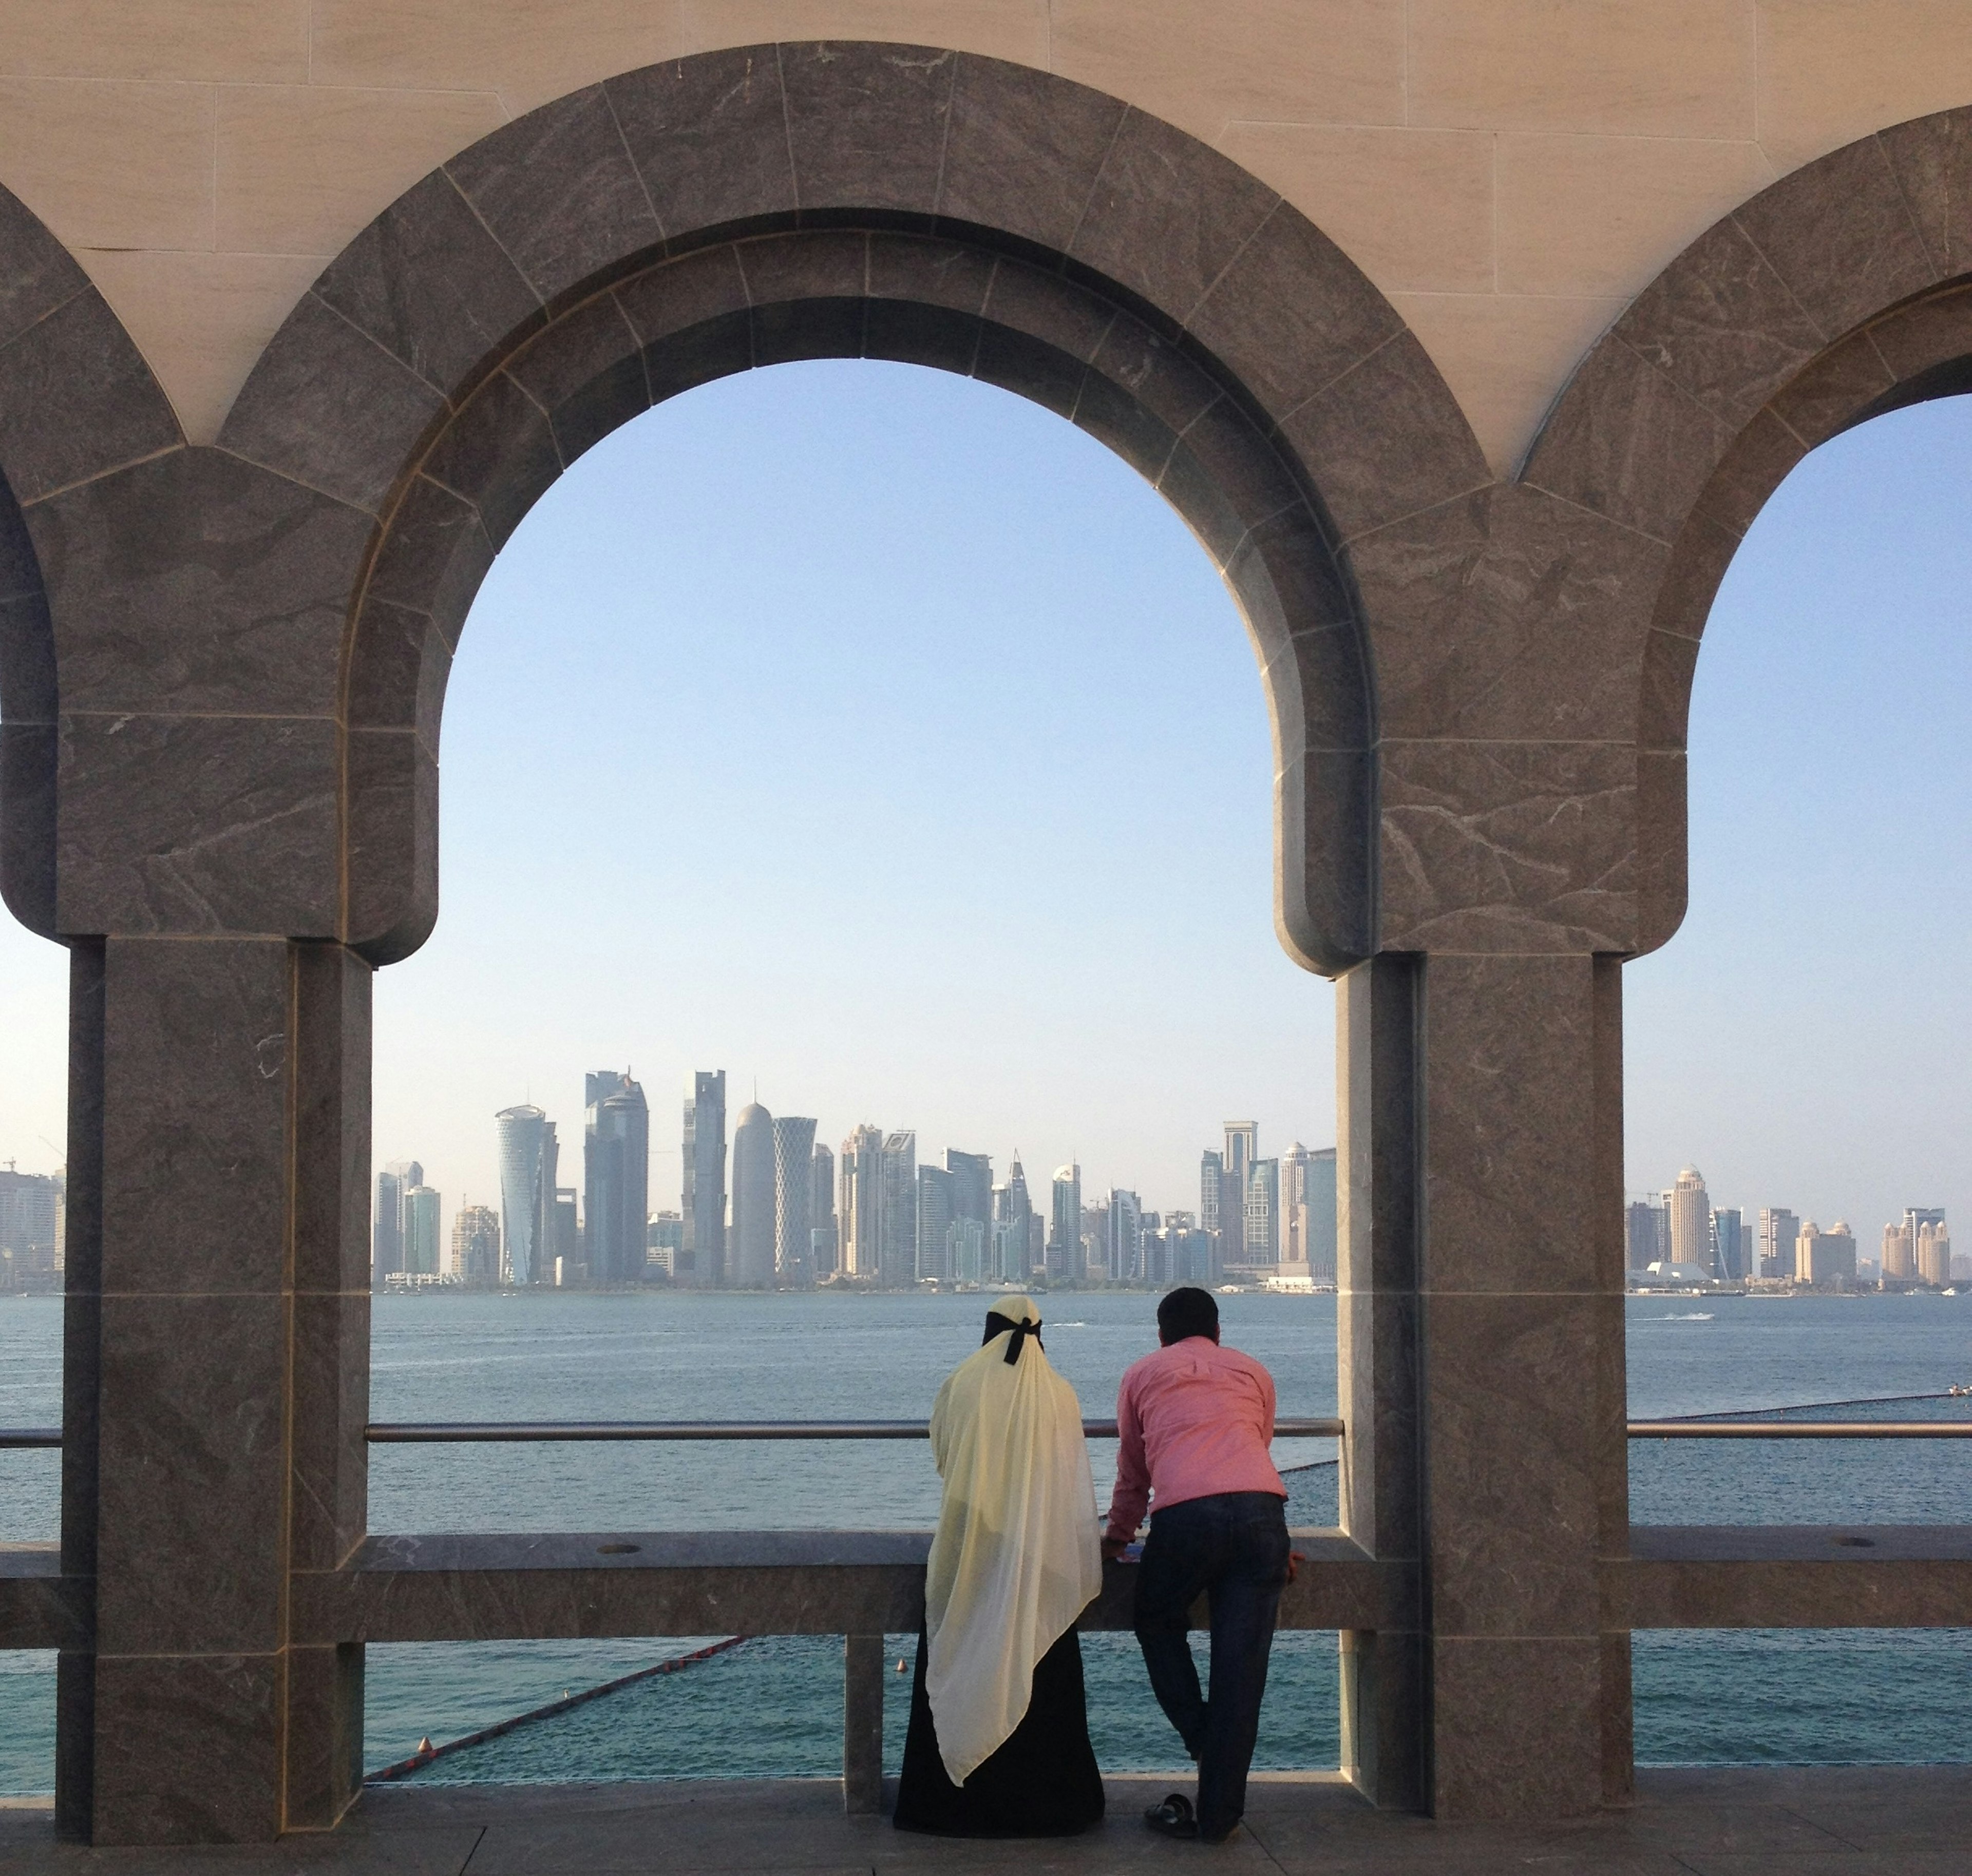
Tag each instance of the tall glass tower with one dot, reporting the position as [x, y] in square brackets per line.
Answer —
[702, 1261]
[528, 1158]
[794, 1201]
[616, 1177]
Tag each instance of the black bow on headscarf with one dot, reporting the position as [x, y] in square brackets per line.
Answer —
[999, 1325]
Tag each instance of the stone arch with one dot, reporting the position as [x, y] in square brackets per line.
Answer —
[77, 404]
[1839, 293]
[773, 203]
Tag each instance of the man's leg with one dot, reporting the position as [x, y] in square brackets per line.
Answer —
[1177, 1562]
[1246, 1600]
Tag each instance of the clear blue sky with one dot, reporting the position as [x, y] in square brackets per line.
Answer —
[874, 734]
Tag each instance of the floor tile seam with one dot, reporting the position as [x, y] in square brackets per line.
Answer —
[466, 1862]
[1800, 1817]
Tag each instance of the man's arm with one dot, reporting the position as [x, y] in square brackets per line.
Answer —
[1127, 1503]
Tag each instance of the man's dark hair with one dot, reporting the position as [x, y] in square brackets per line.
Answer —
[1186, 1311]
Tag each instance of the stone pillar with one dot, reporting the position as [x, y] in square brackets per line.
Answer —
[217, 1368]
[1482, 1145]
[1384, 1685]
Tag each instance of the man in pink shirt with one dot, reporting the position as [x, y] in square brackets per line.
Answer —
[1197, 1421]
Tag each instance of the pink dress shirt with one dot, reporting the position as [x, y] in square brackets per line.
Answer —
[1195, 1420]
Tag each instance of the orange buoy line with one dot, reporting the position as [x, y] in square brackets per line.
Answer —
[426, 1752]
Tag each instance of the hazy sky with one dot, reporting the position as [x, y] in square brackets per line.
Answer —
[872, 734]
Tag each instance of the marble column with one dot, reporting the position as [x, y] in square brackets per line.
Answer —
[217, 1357]
[1484, 1377]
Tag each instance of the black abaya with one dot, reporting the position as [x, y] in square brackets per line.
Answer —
[1042, 1782]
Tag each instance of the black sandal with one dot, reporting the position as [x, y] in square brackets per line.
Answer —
[1173, 1818]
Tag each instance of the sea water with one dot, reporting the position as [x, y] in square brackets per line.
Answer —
[774, 1705]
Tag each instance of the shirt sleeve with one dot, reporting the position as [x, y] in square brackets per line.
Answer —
[1132, 1495]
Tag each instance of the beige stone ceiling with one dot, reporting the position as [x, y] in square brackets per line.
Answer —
[1509, 171]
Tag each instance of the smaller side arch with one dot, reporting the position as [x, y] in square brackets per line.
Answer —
[77, 402]
[1843, 290]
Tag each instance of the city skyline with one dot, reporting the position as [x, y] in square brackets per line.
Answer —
[782, 1221]
[1050, 760]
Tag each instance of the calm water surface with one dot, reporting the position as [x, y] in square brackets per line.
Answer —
[774, 1705]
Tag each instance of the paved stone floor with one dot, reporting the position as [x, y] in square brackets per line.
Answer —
[1880, 1822]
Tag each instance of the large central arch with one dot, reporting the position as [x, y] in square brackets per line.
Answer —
[805, 201]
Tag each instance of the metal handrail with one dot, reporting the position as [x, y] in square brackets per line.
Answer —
[469, 1433]
[1800, 1430]
[466, 1433]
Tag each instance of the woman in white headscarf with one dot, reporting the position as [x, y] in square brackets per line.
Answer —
[998, 1744]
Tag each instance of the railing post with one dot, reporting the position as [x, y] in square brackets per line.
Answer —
[863, 1725]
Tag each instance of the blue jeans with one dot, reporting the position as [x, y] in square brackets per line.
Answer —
[1233, 1548]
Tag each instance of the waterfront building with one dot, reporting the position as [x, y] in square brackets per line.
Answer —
[1263, 1213]
[570, 1267]
[935, 1246]
[1125, 1260]
[823, 1242]
[616, 1174]
[969, 1250]
[1012, 1235]
[859, 1220]
[421, 1232]
[387, 1227]
[752, 1266]
[528, 1158]
[1899, 1256]
[794, 1201]
[897, 1216]
[702, 1261]
[1825, 1258]
[1064, 1243]
[1646, 1232]
[1243, 1148]
[1307, 1215]
[1190, 1249]
[1779, 1229]
[1096, 1240]
[33, 1206]
[1690, 1210]
[1731, 1244]
[1933, 1250]
[664, 1240]
[972, 1193]
[1212, 1199]
[475, 1246]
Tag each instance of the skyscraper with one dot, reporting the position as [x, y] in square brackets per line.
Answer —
[1690, 1210]
[897, 1221]
[1243, 1147]
[528, 1159]
[386, 1230]
[1825, 1258]
[1930, 1244]
[1126, 1237]
[1212, 1204]
[663, 1242]
[1731, 1244]
[1307, 1228]
[1646, 1234]
[1064, 1243]
[972, 1205]
[475, 1246]
[859, 1223]
[616, 1174]
[752, 1266]
[421, 1231]
[703, 1259]
[1779, 1228]
[934, 1245]
[794, 1202]
[32, 1208]
[824, 1241]
[1263, 1212]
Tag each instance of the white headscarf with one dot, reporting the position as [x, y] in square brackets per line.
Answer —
[1017, 1557]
